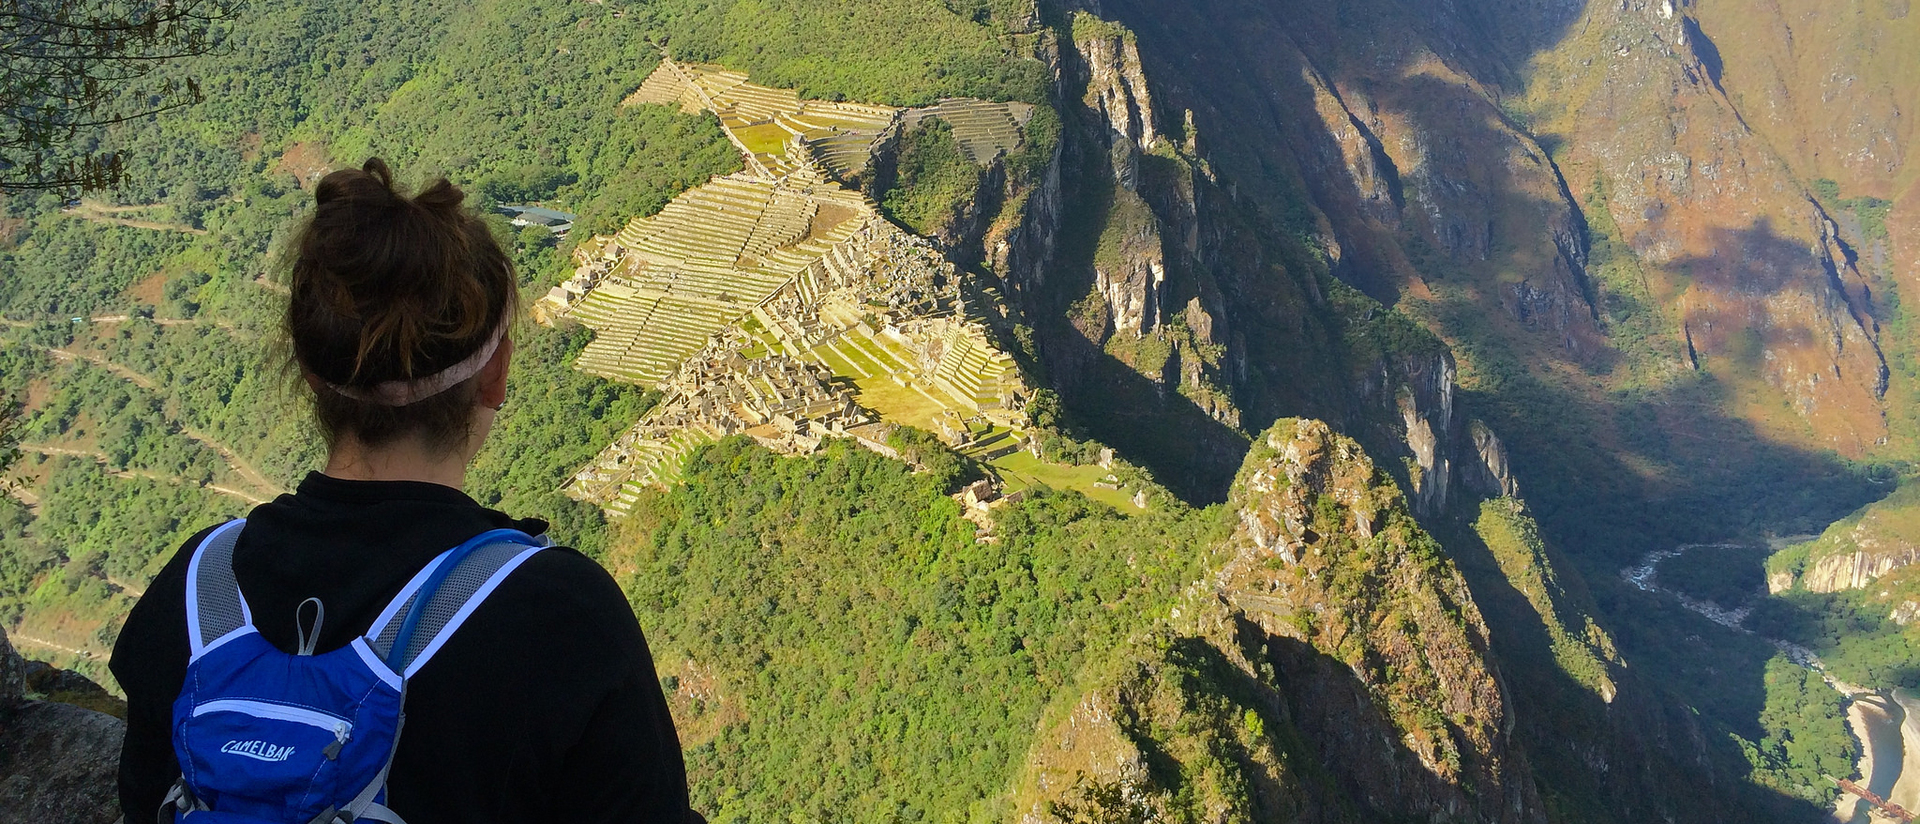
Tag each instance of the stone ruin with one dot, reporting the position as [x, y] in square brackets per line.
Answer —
[759, 301]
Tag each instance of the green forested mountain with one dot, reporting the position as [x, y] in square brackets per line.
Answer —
[1566, 303]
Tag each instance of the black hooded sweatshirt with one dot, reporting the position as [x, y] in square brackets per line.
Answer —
[543, 707]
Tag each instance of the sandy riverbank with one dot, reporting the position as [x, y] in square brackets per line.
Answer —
[1890, 740]
[1906, 791]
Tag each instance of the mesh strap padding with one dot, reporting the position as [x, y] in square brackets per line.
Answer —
[444, 605]
[215, 594]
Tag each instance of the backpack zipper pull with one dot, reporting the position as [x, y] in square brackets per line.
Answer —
[340, 738]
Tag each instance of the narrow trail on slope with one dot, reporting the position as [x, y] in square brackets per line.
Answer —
[103, 213]
[136, 378]
[123, 318]
[110, 319]
[123, 586]
[101, 458]
[53, 645]
[233, 459]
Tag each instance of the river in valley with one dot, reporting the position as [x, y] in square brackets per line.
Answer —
[1886, 723]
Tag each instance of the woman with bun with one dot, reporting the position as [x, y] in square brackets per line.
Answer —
[544, 705]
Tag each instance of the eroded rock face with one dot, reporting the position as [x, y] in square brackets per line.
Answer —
[1334, 669]
[57, 761]
[1904, 612]
[1855, 570]
[1490, 475]
[1328, 556]
[1132, 276]
[1425, 403]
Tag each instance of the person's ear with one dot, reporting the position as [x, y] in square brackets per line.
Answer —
[493, 376]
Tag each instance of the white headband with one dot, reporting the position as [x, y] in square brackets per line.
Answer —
[407, 393]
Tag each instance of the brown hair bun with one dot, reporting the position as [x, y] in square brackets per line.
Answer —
[390, 288]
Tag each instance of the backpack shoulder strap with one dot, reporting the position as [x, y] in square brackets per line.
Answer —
[431, 607]
[215, 608]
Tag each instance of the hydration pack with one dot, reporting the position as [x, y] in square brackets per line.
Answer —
[264, 737]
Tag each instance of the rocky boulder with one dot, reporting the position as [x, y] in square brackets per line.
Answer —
[57, 760]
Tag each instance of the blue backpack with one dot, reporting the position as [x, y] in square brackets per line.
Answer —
[264, 737]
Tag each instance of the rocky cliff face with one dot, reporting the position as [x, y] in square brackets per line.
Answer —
[1855, 570]
[1131, 278]
[57, 760]
[1335, 668]
[1827, 86]
[1858, 550]
[1454, 161]
[1754, 268]
[1155, 287]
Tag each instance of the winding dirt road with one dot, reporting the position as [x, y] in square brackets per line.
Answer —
[101, 458]
[233, 459]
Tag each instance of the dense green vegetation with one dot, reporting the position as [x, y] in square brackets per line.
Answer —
[898, 52]
[1731, 576]
[933, 180]
[1788, 723]
[1849, 630]
[132, 420]
[70, 267]
[1807, 739]
[1579, 648]
[858, 640]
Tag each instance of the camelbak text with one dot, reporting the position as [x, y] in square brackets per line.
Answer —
[258, 749]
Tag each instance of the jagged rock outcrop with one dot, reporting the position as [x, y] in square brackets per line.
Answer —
[57, 760]
[1328, 556]
[1335, 668]
[1130, 270]
[1490, 475]
[1451, 460]
[1424, 399]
